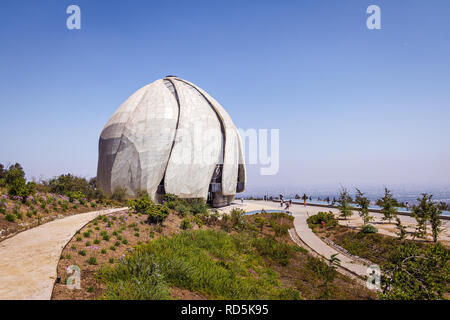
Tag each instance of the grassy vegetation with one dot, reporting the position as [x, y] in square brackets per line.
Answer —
[374, 247]
[411, 269]
[24, 205]
[197, 253]
[215, 264]
[321, 219]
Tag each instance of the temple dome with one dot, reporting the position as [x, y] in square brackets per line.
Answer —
[172, 137]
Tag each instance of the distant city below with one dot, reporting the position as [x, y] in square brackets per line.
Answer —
[402, 194]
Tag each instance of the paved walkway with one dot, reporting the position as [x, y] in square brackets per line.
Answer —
[301, 213]
[28, 260]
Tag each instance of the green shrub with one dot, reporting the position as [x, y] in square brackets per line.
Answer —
[16, 183]
[326, 217]
[68, 184]
[182, 210]
[2, 207]
[237, 218]
[198, 206]
[92, 261]
[198, 221]
[279, 229]
[9, 217]
[185, 224]
[369, 228]
[75, 195]
[416, 272]
[277, 251]
[260, 222]
[158, 214]
[321, 269]
[82, 253]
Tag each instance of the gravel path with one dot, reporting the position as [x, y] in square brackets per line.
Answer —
[28, 260]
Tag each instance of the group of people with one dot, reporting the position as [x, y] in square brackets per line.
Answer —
[287, 203]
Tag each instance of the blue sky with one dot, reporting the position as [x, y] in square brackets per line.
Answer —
[354, 106]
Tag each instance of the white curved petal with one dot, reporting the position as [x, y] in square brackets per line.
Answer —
[197, 147]
[233, 148]
[139, 138]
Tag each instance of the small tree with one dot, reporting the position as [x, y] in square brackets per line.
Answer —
[387, 204]
[363, 204]
[185, 224]
[237, 218]
[425, 211]
[260, 222]
[344, 203]
[16, 183]
[401, 228]
[158, 214]
[415, 273]
[435, 221]
[2, 171]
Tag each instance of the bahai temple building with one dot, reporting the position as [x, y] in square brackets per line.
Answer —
[172, 137]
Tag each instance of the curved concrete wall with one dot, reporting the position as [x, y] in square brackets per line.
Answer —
[171, 131]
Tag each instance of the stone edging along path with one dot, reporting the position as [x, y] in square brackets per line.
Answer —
[314, 243]
[28, 260]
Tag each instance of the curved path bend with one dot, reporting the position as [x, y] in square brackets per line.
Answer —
[301, 213]
[28, 260]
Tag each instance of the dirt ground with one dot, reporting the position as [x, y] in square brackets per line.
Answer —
[41, 216]
[126, 226]
[135, 229]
